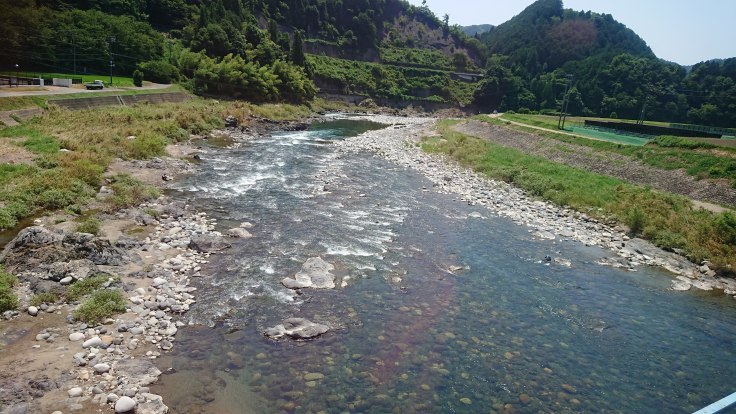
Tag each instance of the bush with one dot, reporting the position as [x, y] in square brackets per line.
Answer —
[159, 71]
[146, 146]
[137, 78]
[102, 304]
[91, 226]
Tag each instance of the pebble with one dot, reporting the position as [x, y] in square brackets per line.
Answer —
[94, 342]
[124, 404]
[101, 368]
[76, 336]
[75, 392]
[66, 281]
[32, 310]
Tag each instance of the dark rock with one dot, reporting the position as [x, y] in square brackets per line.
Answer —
[231, 122]
[174, 210]
[208, 243]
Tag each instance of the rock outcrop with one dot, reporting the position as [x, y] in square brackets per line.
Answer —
[315, 273]
[297, 328]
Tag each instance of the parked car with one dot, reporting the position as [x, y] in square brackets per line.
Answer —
[96, 84]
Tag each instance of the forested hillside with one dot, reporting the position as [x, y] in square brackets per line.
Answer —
[252, 49]
[612, 71]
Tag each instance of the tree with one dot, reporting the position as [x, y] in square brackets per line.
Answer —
[297, 49]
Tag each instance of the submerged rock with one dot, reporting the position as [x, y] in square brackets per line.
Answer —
[240, 233]
[315, 273]
[208, 243]
[297, 328]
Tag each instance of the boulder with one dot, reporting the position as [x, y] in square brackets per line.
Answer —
[76, 269]
[208, 243]
[315, 273]
[239, 233]
[297, 328]
[124, 404]
[142, 370]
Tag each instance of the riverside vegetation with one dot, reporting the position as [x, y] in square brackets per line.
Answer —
[73, 149]
[670, 221]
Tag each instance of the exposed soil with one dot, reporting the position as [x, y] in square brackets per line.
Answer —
[614, 165]
[13, 154]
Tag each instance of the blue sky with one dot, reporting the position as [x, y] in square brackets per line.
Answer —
[681, 31]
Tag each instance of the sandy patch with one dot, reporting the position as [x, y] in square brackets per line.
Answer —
[13, 154]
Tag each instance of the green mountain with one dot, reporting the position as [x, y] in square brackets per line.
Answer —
[611, 70]
[477, 29]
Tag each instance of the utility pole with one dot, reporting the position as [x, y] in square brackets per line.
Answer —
[112, 62]
[74, 48]
[642, 114]
[565, 103]
[17, 78]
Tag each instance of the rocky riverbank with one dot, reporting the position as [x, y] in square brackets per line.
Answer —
[400, 143]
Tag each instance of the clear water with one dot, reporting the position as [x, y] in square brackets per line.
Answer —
[506, 334]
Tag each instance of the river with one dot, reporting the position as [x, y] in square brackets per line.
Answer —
[445, 308]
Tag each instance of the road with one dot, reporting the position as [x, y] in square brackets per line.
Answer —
[60, 90]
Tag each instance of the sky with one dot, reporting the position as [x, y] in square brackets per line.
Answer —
[681, 31]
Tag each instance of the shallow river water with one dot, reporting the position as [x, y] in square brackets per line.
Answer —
[411, 333]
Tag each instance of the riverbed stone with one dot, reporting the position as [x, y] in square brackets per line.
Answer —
[76, 336]
[94, 342]
[297, 328]
[208, 243]
[32, 310]
[124, 404]
[239, 233]
[315, 273]
[75, 392]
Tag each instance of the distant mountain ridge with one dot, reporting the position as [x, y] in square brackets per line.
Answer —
[476, 29]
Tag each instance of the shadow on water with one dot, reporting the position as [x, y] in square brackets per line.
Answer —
[442, 313]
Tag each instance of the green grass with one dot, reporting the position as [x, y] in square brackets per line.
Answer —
[129, 192]
[700, 161]
[102, 304]
[668, 220]
[85, 287]
[8, 299]
[91, 225]
[44, 297]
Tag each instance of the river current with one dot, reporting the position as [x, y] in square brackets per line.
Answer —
[440, 307]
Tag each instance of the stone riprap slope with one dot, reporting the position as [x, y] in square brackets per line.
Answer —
[607, 163]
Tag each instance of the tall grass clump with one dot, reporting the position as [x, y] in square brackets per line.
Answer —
[85, 287]
[101, 304]
[128, 192]
[8, 299]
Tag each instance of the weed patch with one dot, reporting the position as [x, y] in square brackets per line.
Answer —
[8, 299]
[101, 304]
[128, 192]
[91, 226]
[85, 287]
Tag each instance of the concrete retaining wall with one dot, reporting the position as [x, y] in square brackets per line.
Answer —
[76, 104]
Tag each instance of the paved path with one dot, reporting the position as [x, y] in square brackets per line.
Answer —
[60, 90]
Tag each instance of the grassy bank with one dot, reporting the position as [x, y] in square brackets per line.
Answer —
[699, 159]
[669, 221]
[73, 149]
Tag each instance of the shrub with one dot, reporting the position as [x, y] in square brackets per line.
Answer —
[137, 78]
[102, 304]
[146, 146]
[91, 226]
[159, 71]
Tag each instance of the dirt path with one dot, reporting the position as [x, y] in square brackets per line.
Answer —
[615, 165]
